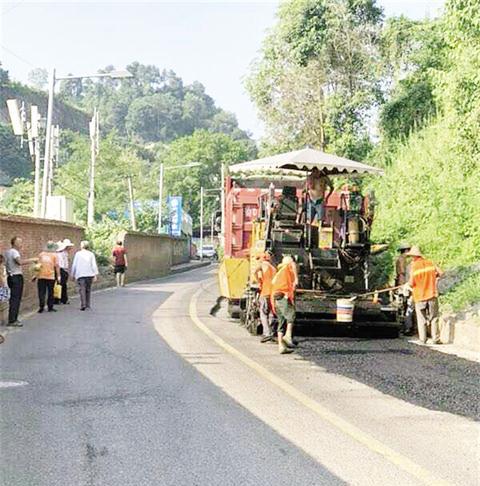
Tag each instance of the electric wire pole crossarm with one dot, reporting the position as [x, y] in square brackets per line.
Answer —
[160, 185]
[48, 135]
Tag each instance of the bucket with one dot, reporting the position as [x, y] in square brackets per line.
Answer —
[345, 310]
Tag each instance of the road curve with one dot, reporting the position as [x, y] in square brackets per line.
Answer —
[98, 398]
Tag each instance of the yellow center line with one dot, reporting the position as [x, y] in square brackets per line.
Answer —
[394, 457]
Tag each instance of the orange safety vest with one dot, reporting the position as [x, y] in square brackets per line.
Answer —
[266, 278]
[283, 282]
[423, 280]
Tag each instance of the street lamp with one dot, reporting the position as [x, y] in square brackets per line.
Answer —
[48, 135]
[160, 186]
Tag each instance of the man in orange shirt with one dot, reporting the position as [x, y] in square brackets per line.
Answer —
[48, 272]
[264, 275]
[284, 284]
[424, 276]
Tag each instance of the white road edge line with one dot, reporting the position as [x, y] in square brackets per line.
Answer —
[394, 457]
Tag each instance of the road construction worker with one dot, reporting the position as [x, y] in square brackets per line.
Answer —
[402, 275]
[283, 302]
[317, 183]
[264, 275]
[424, 275]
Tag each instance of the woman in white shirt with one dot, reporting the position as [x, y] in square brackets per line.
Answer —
[84, 271]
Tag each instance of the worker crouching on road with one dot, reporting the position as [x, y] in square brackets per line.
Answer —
[284, 284]
[424, 276]
[264, 275]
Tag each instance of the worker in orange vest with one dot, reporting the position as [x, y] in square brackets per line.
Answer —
[264, 275]
[283, 302]
[424, 276]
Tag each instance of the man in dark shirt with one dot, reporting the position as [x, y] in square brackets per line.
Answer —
[13, 264]
[120, 263]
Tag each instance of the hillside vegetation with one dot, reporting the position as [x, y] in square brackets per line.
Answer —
[150, 118]
[343, 65]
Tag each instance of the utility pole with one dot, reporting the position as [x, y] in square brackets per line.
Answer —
[160, 198]
[38, 168]
[48, 141]
[211, 227]
[201, 222]
[54, 146]
[94, 146]
[35, 150]
[48, 136]
[132, 206]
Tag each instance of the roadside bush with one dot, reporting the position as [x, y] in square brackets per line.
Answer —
[102, 238]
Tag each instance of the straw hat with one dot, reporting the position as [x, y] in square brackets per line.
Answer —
[414, 252]
[404, 246]
[67, 243]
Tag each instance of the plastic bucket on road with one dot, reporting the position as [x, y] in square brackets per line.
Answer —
[345, 310]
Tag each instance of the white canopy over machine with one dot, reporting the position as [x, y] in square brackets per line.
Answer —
[305, 160]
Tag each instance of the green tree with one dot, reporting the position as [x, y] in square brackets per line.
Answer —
[38, 78]
[154, 118]
[317, 77]
[412, 51]
[14, 161]
[210, 150]
[19, 198]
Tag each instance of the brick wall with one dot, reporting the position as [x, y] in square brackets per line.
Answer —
[149, 256]
[34, 233]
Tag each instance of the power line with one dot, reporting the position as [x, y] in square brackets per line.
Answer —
[14, 6]
[20, 58]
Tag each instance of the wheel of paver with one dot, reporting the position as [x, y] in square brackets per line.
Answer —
[243, 317]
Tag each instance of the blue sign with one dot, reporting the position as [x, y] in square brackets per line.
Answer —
[175, 215]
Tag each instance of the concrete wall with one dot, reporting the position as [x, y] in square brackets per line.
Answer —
[35, 233]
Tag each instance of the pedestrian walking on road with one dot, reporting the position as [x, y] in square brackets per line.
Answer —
[63, 252]
[48, 274]
[264, 275]
[4, 293]
[284, 284]
[402, 271]
[84, 271]
[423, 282]
[14, 263]
[120, 263]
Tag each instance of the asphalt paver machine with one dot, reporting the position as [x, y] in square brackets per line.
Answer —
[330, 243]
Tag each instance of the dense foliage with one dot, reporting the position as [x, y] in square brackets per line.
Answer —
[151, 106]
[327, 65]
[317, 78]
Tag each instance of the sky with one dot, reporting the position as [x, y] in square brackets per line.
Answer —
[211, 42]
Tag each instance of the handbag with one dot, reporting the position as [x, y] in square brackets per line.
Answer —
[57, 291]
[4, 294]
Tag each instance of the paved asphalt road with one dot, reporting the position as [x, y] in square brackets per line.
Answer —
[402, 369]
[98, 398]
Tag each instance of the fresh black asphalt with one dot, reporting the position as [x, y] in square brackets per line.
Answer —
[107, 402]
[413, 373]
